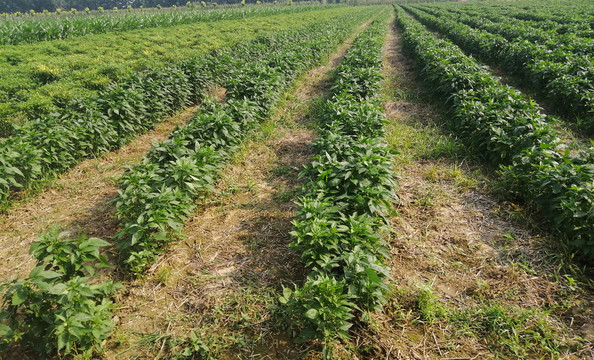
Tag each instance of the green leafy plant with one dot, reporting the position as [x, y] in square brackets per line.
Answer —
[321, 308]
[340, 225]
[82, 123]
[552, 65]
[57, 309]
[156, 195]
[510, 132]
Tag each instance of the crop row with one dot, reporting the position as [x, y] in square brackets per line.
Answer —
[564, 78]
[157, 194]
[20, 30]
[55, 142]
[340, 227]
[574, 17]
[562, 12]
[60, 308]
[43, 77]
[499, 124]
[89, 127]
[516, 30]
[572, 22]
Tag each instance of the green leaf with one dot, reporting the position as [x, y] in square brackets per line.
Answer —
[58, 289]
[15, 170]
[19, 297]
[62, 340]
[95, 242]
[4, 330]
[372, 274]
[48, 274]
[135, 237]
[311, 313]
[76, 331]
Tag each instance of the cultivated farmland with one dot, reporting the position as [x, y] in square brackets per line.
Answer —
[403, 181]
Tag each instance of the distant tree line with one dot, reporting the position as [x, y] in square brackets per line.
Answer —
[10, 6]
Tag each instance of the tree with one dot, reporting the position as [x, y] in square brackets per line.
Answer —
[51, 5]
[26, 5]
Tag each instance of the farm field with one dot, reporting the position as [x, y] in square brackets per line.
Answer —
[80, 137]
[19, 29]
[553, 62]
[343, 183]
[54, 72]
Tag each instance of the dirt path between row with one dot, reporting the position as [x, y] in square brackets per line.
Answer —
[224, 278]
[456, 250]
[79, 200]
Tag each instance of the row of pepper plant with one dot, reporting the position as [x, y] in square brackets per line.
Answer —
[62, 307]
[156, 195]
[341, 225]
[563, 12]
[564, 77]
[90, 126]
[570, 19]
[43, 78]
[571, 22]
[29, 30]
[509, 131]
[557, 44]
